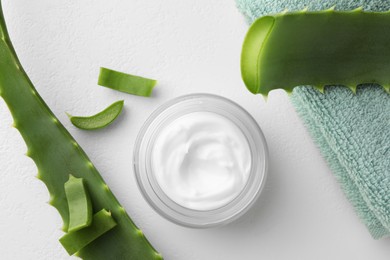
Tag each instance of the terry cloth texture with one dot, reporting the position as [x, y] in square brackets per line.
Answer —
[351, 130]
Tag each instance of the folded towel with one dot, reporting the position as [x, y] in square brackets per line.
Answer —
[351, 130]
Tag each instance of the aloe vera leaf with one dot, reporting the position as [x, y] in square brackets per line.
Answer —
[75, 241]
[79, 203]
[57, 154]
[317, 48]
[100, 120]
[127, 83]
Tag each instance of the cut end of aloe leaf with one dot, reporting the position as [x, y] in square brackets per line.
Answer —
[127, 83]
[100, 120]
[322, 48]
[252, 50]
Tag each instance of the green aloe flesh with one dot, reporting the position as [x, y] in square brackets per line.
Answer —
[57, 155]
[100, 120]
[79, 203]
[317, 48]
[127, 83]
[75, 241]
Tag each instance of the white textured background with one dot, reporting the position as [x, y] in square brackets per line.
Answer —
[190, 46]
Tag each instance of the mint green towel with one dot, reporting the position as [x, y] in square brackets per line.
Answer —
[352, 131]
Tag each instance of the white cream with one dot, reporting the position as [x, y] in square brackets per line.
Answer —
[201, 161]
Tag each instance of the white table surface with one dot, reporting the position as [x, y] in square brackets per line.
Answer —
[190, 46]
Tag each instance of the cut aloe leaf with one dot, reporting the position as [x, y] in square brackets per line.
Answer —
[318, 49]
[127, 83]
[100, 120]
[79, 202]
[75, 241]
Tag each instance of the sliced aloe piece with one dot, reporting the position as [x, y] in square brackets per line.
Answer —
[79, 202]
[127, 83]
[100, 120]
[317, 48]
[75, 241]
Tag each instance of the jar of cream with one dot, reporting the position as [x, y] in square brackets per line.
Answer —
[201, 160]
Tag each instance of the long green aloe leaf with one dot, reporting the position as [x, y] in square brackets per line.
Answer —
[317, 48]
[57, 155]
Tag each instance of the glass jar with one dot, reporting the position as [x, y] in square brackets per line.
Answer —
[149, 186]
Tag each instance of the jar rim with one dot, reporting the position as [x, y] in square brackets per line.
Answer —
[164, 205]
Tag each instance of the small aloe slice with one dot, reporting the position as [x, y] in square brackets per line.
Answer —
[127, 83]
[317, 48]
[100, 120]
[79, 202]
[75, 241]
